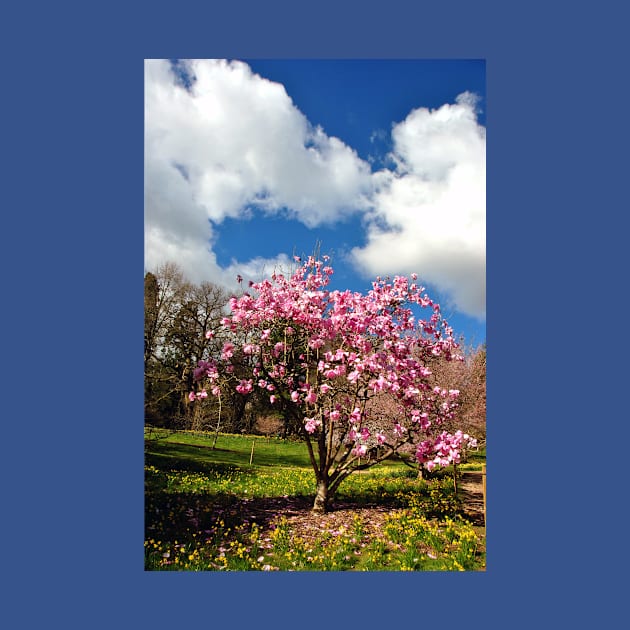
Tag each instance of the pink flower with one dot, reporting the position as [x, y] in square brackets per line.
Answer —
[353, 377]
[203, 394]
[398, 430]
[228, 351]
[360, 450]
[191, 397]
[362, 337]
[244, 387]
[311, 424]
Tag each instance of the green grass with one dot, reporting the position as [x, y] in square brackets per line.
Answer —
[232, 449]
[195, 498]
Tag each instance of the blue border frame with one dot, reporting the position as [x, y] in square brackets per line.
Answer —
[73, 481]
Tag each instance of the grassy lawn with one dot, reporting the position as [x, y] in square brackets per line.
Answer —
[209, 509]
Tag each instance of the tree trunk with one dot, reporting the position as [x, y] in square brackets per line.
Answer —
[321, 497]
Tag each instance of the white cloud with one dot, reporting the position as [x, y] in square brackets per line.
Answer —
[257, 269]
[233, 139]
[429, 213]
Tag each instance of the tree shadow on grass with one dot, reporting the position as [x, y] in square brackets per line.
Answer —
[178, 515]
[165, 462]
[199, 458]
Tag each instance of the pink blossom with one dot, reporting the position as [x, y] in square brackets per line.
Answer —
[202, 369]
[399, 430]
[372, 340]
[360, 450]
[228, 351]
[210, 334]
[244, 387]
[191, 397]
[353, 377]
[311, 424]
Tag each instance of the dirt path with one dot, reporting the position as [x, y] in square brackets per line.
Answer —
[470, 492]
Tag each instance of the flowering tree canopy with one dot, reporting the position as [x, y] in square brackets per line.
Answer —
[325, 357]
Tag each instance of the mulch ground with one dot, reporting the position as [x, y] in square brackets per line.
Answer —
[308, 525]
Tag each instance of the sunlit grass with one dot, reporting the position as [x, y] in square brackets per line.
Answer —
[193, 520]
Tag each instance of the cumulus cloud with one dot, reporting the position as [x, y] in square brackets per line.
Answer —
[428, 213]
[228, 139]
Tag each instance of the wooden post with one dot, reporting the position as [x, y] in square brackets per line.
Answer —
[483, 475]
[455, 477]
[251, 456]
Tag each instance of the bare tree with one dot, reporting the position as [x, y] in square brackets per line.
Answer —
[177, 316]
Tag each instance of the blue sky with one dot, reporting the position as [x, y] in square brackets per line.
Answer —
[382, 162]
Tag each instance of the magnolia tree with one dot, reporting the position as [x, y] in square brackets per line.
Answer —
[324, 356]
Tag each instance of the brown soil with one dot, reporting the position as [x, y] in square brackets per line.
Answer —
[470, 491]
[308, 525]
